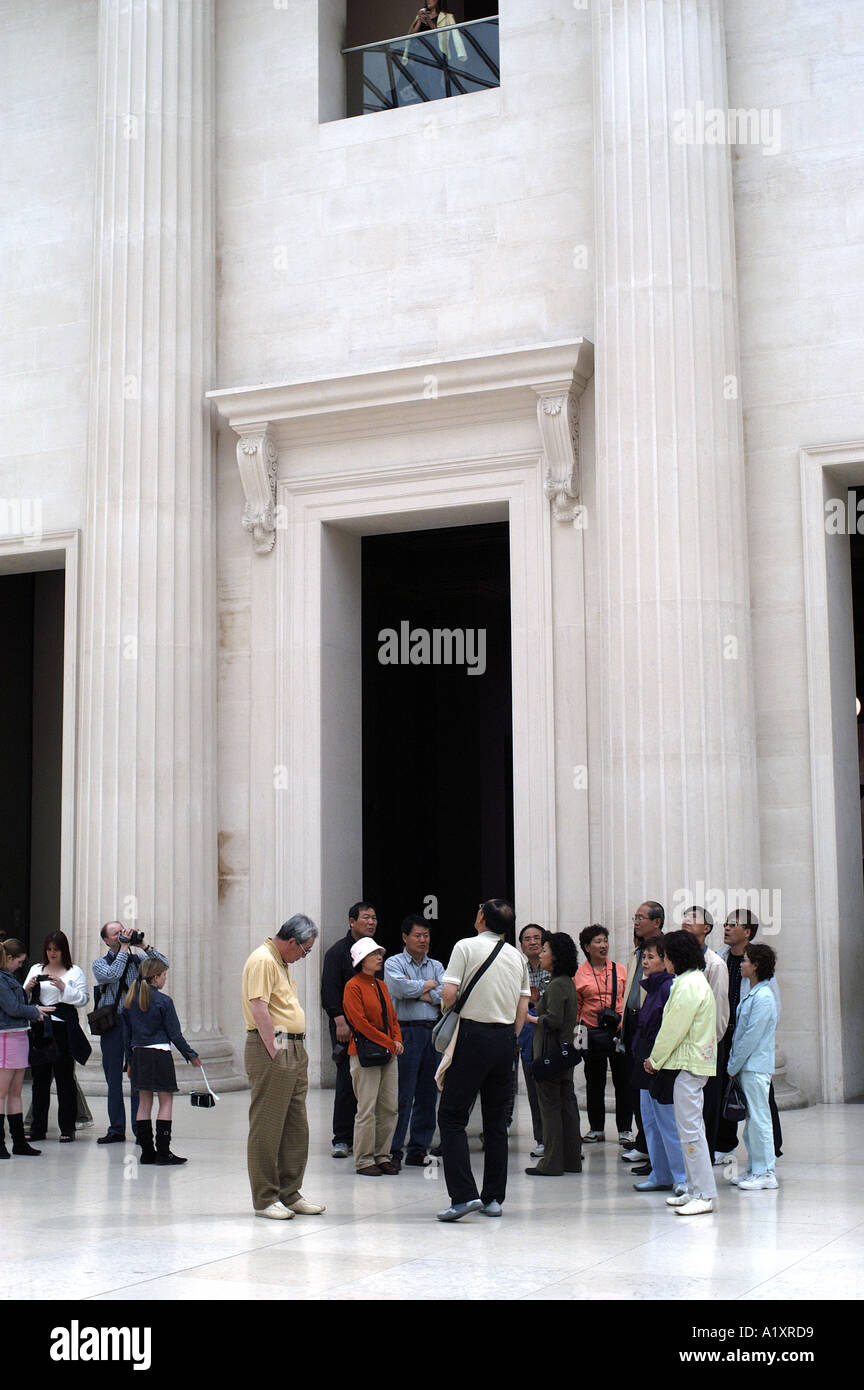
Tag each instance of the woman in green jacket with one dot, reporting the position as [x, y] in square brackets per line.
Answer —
[557, 1011]
[686, 1048]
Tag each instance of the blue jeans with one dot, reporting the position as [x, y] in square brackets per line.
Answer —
[113, 1059]
[664, 1146]
[758, 1128]
[418, 1094]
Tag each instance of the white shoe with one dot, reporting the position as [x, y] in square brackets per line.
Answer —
[720, 1158]
[678, 1199]
[742, 1177]
[755, 1182]
[699, 1206]
[276, 1211]
[625, 1137]
[538, 1151]
[634, 1156]
[304, 1208]
[594, 1136]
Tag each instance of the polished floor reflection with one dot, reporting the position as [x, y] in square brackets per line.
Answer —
[87, 1222]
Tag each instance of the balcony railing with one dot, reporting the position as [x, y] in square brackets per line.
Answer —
[447, 62]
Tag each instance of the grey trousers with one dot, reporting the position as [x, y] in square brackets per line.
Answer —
[687, 1107]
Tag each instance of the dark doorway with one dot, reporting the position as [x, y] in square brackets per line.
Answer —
[31, 711]
[437, 741]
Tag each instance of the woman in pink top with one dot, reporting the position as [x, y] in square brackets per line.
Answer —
[600, 986]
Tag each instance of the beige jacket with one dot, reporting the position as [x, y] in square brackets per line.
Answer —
[445, 19]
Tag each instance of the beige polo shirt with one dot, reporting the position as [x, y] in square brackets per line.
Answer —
[495, 998]
[265, 976]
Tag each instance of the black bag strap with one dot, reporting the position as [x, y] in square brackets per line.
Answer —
[613, 999]
[385, 1026]
[463, 998]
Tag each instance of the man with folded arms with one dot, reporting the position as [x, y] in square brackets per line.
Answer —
[414, 981]
[277, 1066]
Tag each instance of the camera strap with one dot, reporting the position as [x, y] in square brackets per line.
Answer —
[207, 1084]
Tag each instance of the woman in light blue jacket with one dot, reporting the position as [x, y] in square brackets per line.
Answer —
[752, 1059]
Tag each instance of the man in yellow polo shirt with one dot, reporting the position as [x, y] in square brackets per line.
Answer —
[277, 1065]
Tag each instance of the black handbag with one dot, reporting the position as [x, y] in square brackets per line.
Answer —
[555, 1062]
[104, 1018]
[734, 1106]
[369, 1053]
[43, 1044]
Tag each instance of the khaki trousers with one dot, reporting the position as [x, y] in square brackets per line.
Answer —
[377, 1092]
[278, 1142]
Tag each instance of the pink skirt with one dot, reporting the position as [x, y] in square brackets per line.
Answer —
[14, 1050]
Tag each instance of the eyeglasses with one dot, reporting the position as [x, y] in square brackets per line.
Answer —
[305, 949]
[641, 917]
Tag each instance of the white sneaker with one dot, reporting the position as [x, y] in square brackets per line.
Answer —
[742, 1177]
[720, 1158]
[699, 1206]
[303, 1208]
[625, 1137]
[276, 1211]
[679, 1199]
[634, 1156]
[538, 1151]
[594, 1136]
[756, 1182]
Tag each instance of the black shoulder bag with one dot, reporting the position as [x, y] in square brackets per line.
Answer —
[601, 1040]
[369, 1053]
[444, 1029]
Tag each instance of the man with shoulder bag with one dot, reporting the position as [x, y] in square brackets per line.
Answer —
[487, 980]
[114, 973]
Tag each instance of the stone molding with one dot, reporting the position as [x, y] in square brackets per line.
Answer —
[558, 419]
[258, 462]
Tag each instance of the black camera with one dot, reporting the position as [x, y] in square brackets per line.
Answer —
[42, 979]
[132, 938]
[608, 1019]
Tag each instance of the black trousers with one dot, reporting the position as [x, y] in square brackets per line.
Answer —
[344, 1101]
[712, 1098]
[482, 1065]
[63, 1072]
[595, 1086]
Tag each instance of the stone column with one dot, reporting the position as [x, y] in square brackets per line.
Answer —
[677, 797]
[146, 800]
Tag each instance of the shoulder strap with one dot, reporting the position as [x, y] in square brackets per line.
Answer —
[613, 1000]
[385, 1026]
[460, 1003]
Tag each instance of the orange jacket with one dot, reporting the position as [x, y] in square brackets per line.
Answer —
[361, 1004]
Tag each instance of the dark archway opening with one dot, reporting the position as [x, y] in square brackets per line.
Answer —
[31, 715]
[437, 741]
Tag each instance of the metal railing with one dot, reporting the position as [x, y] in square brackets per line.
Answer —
[429, 66]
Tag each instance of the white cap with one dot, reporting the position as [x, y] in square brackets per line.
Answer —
[362, 948]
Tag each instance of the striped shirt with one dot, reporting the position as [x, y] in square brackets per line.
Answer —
[117, 971]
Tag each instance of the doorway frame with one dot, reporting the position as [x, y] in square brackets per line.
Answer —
[838, 890]
[53, 551]
[452, 493]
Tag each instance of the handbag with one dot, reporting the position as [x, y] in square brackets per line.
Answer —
[554, 1063]
[444, 1029]
[43, 1044]
[734, 1107]
[204, 1100]
[369, 1053]
[104, 1017]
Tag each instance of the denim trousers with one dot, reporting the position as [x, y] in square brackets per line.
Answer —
[758, 1129]
[113, 1062]
[418, 1094]
[664, 1146]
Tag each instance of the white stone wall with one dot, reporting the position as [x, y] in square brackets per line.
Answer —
[47, 114]
[800, 244]
[404, 234]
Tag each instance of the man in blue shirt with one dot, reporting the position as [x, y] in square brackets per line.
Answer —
[414, 982]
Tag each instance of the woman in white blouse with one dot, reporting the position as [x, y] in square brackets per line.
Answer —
[57, 981]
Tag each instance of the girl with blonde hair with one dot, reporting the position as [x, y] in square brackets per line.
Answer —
[150, 1026]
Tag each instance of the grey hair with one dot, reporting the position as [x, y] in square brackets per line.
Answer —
[299, 928]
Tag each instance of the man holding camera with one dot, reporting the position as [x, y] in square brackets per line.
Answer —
[114, 973]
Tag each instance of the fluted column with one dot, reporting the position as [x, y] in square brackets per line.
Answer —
[678, 798]
[146, 771]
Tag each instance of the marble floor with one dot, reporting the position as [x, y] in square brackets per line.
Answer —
[88, 1223]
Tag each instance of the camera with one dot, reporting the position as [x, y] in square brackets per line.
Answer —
[608, 1019]
[42, 979]
[132, 938]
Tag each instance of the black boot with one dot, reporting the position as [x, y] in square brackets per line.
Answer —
[144, 1131]
[4, 1152]
[19, 1143]
[164, 1155]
